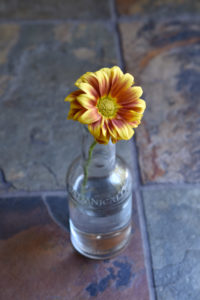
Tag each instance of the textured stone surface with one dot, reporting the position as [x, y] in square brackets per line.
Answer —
[38, 67]
[52, 9]
[164, 57]
[173, 226]
[37, 260]
[157, 8]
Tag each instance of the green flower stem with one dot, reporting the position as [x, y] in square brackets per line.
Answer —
[86, 165]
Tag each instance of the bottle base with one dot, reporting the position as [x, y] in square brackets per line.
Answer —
[100, 246]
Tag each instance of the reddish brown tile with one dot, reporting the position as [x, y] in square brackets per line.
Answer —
[38, 262]
[156, 7]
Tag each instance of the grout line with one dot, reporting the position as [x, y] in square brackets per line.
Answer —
[10, 194]
[153, 17]
[163, 185]
[143, 225]
[136, 186]
[114, 18]
[114, 21]
[146, 246]
[56, 21]
[136, 164]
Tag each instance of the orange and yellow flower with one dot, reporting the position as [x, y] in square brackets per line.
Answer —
[108, 103]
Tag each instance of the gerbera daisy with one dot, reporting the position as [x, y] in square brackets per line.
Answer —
[108, 103]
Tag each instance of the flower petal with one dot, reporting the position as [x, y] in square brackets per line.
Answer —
[107, 71]
[121, 83]
[103, 139]
[134, 124]
[138, 91]
[103, 81]
[74, 114]
[112, 130]
[95, 128]
[71, 97]
[89, 116]
[91, 79]
[75, 108]
[75, 104]
[71, 114]
[86, 101]
[78, 114]
[129, 96]
[103, 126]
[128, 115]
[115, 73]
[88, 89]
[138, 106]
[124, 130]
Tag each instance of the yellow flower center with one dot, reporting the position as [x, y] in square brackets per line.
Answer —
[107, 107]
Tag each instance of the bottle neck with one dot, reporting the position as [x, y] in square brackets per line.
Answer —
[102, 157]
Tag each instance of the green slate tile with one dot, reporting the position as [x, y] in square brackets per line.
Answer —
[173, 227]
[38, 67]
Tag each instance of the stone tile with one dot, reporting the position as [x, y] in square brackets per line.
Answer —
[157, 8]
[173, 227]
[164, 58]
[52, 9]
[38, 67]
[40, 248]
[58, 209]
[29, 212]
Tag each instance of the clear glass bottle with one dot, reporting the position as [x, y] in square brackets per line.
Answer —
[100, 210]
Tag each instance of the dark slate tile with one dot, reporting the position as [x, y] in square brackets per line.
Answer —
[52, 9]
[21, 213]
[59, 210]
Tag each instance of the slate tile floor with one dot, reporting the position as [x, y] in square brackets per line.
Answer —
[44, 47]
